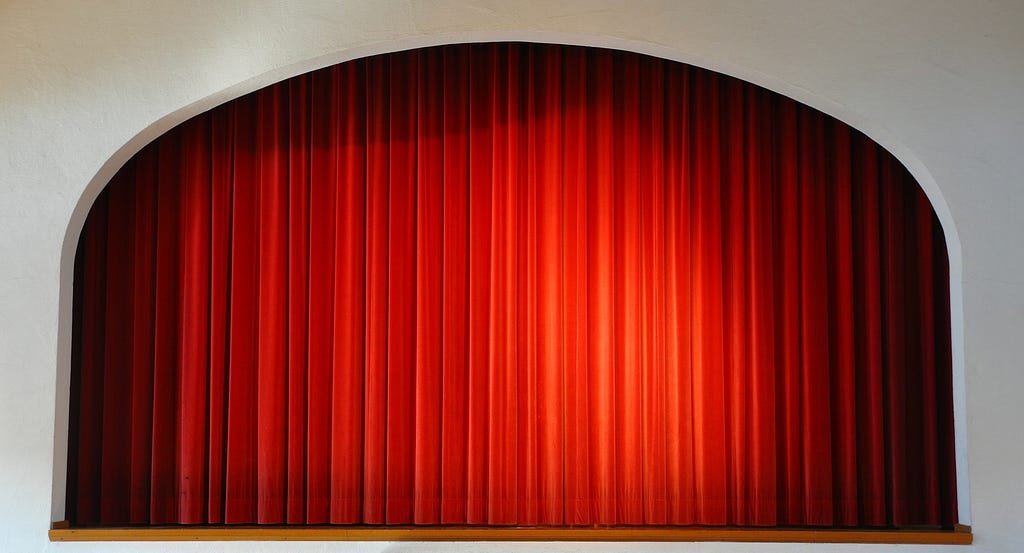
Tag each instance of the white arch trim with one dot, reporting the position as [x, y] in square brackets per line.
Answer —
[873, 128]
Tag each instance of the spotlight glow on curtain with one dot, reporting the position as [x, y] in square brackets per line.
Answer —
[512, 285]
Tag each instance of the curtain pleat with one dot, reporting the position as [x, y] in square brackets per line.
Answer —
[512, 284]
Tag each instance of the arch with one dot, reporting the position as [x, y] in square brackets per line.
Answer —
[876, 130]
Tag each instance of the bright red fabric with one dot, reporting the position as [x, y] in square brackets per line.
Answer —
[512, 285]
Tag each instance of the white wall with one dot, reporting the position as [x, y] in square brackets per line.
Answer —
[83, 85]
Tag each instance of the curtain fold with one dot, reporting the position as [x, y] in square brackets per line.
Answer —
[512, 284]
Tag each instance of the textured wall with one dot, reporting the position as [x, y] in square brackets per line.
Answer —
[85, 84]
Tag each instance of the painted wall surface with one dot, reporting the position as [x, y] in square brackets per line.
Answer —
[85, 84]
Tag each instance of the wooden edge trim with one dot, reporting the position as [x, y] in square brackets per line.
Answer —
[473, 533]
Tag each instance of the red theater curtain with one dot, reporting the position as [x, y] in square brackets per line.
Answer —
[512, 285]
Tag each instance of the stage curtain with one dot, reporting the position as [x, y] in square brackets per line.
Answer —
[512, 284]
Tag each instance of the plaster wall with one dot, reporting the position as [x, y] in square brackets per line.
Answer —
[84, 85]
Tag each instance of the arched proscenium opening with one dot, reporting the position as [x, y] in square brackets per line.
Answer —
[954, 339]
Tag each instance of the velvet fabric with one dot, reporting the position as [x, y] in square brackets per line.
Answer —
[512, 284]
